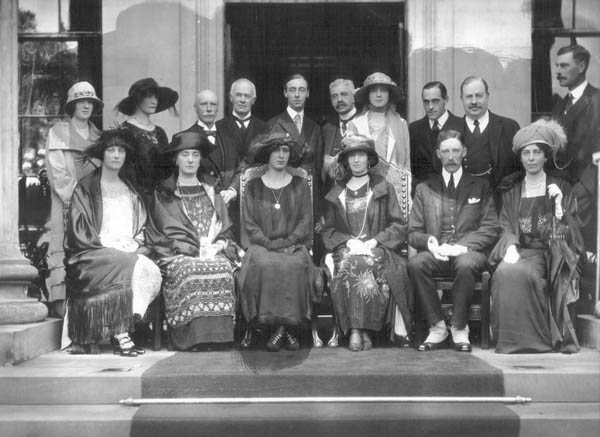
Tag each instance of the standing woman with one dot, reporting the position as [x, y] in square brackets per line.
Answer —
[276, 279]
[529, 294]
[190, 232]
[145, 98]
[66, 164]
[109, 282]
[364, 230]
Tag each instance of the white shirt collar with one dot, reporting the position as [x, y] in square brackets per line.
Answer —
[577, 92]
[483, 122]
[457, 175]
[245, 119]
[350, 114]
[205, 127]
[293, 113]
[441, 120]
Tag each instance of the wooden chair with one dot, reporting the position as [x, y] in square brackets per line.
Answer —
[478, 313]
[250, 174]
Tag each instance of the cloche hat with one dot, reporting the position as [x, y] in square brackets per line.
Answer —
[189, 140]
[261, 149]
[361, 95]
[82, 91]
[166, 96]
[356, 142]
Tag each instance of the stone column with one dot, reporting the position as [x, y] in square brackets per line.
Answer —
[15, 270]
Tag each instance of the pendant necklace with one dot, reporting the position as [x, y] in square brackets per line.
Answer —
[277, 204]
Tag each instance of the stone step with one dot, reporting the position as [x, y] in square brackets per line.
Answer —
[537, 419]
[23, 342]
[588, 328]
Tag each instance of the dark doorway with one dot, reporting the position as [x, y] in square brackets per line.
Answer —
[267, 42]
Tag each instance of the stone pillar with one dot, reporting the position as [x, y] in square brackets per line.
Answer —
[15, 270]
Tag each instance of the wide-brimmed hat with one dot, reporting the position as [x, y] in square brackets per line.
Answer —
[260, 151]
[358, 143]
[166, 96]
[82, 91]
[189, 140]
[548, 132]
[361, 96]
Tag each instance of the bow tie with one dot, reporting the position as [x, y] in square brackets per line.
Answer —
[210, 133]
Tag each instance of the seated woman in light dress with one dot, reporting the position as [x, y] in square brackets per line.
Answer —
[536, 278]
[276, 279]
[110, 283]
[364, 230]
[190, 235]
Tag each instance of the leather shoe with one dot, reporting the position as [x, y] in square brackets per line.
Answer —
[463, 347]
[355, 343]
[291, 342]
[403, 342]
[430, 346]
[275, 342]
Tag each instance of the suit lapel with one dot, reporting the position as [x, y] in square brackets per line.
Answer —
[435, 185]
[462, 191]
[495, 131]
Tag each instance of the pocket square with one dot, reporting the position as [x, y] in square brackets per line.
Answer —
[473, 200]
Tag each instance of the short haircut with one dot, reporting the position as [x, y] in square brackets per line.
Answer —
[292, 77]
[447, 134]
[436, 84]
[580, 54]
[342, 82]
[240, 81]
[470, 79]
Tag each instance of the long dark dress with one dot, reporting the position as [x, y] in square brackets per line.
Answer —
[198, 288]
[363, 286]
[360, 290]
[277, 272]
[149, 166]
[522, 314]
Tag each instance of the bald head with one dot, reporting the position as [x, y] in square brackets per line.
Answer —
[207, 105]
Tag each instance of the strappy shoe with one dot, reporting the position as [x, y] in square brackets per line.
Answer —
[291, 342]
[276, 340]
[125, 347]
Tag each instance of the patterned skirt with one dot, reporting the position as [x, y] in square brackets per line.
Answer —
[360, 292]
[199, 300]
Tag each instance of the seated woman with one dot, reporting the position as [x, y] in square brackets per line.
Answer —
[276, 278]
[364, 229]
[109, 282]
[529, 300]
[189, 229]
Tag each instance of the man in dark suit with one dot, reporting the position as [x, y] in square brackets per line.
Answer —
[452, 224]
[487, 136]
[579, 115]
[341, 92]
[424, 132]
[294, 122]
[237, 130]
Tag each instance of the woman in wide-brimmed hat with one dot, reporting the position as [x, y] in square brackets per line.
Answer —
[145, 98]
[110, 283]
[379, 120]
[276, 279]
[538, 228]
[363, 231]
[65, 165]
[190, 235]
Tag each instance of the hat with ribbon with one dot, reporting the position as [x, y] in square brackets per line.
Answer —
[82, 91]
[361, 96]
[166, 96]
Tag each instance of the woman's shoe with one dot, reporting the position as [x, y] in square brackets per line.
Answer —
[355, 343]
[291, 342]
[125, 347]
[276, 340]
[402, 341]
[366, 341]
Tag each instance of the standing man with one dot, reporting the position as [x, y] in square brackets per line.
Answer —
[453, 224]
[424, 132]
[579, 115]
[341, 92]
[294, 122]
[487, 136]
[237, 130]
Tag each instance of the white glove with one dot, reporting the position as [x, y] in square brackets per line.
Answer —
[512, 254]
[434, 248]
[228, 195]
[554, 192]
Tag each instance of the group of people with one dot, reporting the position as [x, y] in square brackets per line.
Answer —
[241, 217]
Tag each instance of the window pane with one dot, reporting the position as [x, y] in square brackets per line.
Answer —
[38, 16]
[47, 70]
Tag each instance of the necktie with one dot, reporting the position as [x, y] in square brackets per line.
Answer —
[569, 102]
[344, 125]
[211, 135]
[241, 123]
[435, 128]
[476, 131]
[451, 187]
[298, 122]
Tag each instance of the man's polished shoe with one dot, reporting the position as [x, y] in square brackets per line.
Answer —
[291, 342]
[431, 346]
[463, 347]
